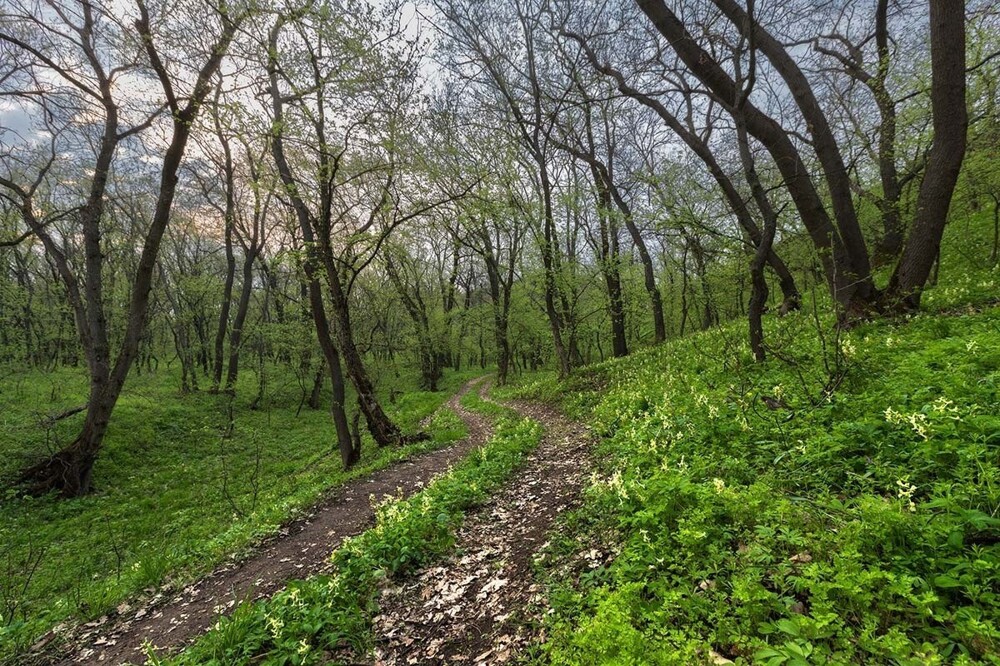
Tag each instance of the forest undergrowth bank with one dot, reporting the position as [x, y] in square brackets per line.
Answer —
[837, 504]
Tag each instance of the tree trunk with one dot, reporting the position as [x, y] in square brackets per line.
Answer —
[500, 321]
[383, 429]
[708, 314]
[617, 313]
[70, 469]
[317, 386]
[332, 361]
[181, 335]
[349, 443]
[995, 251]
[759, 289]
[609, 265]
[824, 144]
[700, 148]
[549, 264]
[648, 272]
[236, 333]
[430, 360]
[951, 122]
[317, 241]
[684, 289]
[227, 287]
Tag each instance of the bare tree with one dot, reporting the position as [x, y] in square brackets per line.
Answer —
[515, 76]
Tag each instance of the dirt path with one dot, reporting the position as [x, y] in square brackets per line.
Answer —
[300, 549]
[477, 607]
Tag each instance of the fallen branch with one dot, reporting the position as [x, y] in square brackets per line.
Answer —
[52, 419]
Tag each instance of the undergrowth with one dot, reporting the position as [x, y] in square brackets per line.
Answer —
[837, 504]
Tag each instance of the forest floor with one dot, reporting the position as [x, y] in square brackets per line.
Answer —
[299, 550]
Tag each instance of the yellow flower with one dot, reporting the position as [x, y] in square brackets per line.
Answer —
[919, 424]
[892, 416]
[905, 493]
[275, 624]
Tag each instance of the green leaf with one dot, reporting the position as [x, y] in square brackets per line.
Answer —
[767, 654]
[946, 582]
[790, 627]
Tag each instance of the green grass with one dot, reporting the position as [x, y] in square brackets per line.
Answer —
[172, 497]
[854, 525]
[325, 618]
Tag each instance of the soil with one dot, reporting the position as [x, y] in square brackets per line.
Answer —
[300, 549]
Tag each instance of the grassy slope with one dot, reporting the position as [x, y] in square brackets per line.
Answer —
[860, 525]
[161, 510]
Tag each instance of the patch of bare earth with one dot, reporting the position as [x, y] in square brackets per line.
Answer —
[481, 606]
[302, 548]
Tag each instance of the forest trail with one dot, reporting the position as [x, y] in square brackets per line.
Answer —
[300, 549]
[478, 606]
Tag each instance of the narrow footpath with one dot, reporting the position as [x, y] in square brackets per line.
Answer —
[481, 606]
[299, 550]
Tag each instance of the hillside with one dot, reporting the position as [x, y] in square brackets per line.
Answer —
[836, 505]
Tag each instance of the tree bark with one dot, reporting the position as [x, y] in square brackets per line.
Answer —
[484, 239]
[891, 243]
[549, 246]
[332, 361]
[70, 470]
[951, 122]
[227, 288]
[302, 216]
[430, 361]
[648, 271]
[236, 333]
[759, 289]
[604, 179]
[383, 429]
[824, 144]
[995, 250]
[609, 266]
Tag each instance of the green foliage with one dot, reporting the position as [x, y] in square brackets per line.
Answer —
[173, 497]
[855, 519]
[317, 620]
